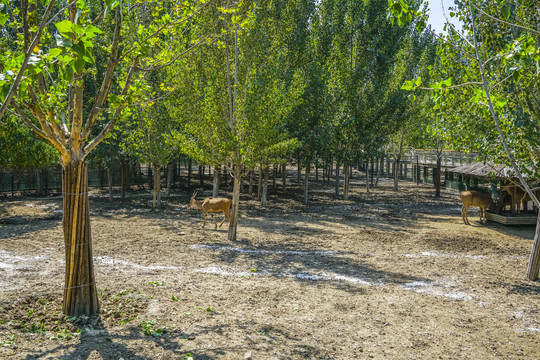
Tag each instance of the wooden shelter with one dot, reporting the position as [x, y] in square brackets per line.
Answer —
[498, 175]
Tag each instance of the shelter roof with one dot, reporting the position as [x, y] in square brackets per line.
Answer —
[485, 170]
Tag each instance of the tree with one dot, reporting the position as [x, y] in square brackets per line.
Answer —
[44, 77]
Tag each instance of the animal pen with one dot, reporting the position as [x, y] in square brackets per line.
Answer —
[492, 179]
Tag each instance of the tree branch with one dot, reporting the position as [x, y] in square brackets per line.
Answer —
[505, 22]
[453, 86]
[58, 146]
[106, 84]
[158, 67]
[163, 27]
[24, 65]
[110, 125]
[453, 27]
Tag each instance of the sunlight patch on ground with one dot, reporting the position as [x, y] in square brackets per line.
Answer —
[440, 287]
[529, 324]
[220, 271]
[10, 261]
[255, 251]
[453, 256]
[106, 260]
[296, 275]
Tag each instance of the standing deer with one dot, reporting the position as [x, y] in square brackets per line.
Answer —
[479, 199]
[211, 205]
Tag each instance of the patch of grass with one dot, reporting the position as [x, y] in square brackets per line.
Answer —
[156, 283]
[9, 340]
[38, 328]
[131, 318]
[149, 330]
[64, 334]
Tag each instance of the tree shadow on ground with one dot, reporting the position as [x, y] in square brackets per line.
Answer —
[99, 342]
[310, 266]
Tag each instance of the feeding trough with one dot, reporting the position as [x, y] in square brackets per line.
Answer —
[527, 218]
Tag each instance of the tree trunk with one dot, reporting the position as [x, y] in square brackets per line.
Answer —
[215, 182]
[189, 170]
[372, 173]
[396, 172]
[346, 182]
[379, 169]
[264, 195]
[306, 185]
[170, 173]
[366, 165]
[437, 177]
[110, 182]
[284, 177]
[201, 175]
[80, 295]
[337, 179]
[299, 174]
[250, 185]
[233, 223]
[534, 260]
[259, 183]
[157, 187]
[274, 176]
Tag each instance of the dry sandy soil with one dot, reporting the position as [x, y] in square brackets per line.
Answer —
[383, 275]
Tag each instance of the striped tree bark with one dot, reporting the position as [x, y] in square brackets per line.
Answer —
[80, 295]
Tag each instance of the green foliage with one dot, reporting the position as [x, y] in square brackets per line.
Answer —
[20, 149]
[509, 54]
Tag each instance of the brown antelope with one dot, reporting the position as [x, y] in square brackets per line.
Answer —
[479, 199]
[211, 205]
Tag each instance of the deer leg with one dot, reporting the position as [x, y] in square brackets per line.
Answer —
[226, 216]
[204, 224]
[464, 214]
[482, 214]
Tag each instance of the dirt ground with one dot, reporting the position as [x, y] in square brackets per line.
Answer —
[383, 275]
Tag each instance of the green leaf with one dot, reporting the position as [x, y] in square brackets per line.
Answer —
[79, 49]
[505, 10]
[500, 102]
[79, 65]
[91, 31]
[55, 52]
[65, 28]
[68, 73]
